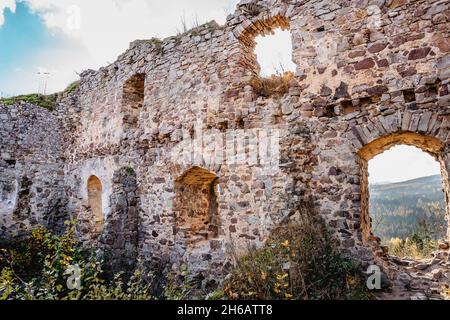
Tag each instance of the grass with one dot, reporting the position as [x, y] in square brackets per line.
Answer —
[44, 101]
[411, 248]
[72, 87]
[274, 85]
[420, 245]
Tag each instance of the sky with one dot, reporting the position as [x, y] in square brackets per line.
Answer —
[275, 59]
[65, 37]
[402, 163]
[45, 44]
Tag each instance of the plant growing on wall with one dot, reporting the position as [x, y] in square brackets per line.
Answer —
[47, 267]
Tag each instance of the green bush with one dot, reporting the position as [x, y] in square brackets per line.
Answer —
[177, 287]
[44, 101]
[298, 262]
[36, 268]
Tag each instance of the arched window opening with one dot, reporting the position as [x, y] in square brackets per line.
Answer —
[133, 99]
[268, 55]
[196, 206]
[274, 53]
[405, 194]
[95, 189]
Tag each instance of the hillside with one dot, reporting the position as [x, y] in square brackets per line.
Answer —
[397, 209]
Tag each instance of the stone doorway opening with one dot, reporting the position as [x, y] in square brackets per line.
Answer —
[196, 206]
[95, 190]
[407, 216]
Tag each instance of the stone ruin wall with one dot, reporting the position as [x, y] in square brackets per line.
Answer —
[366, 79]
[31, 170]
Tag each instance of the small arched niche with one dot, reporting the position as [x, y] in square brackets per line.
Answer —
[8, 195]
[133, 99]
[196, 206]
[95, 190]
[427, 144]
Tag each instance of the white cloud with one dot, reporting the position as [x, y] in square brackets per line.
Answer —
[402, 163]
[62, 64]
[6, 4]
[108, 26]
[97, 32]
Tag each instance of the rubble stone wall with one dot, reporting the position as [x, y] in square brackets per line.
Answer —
[370, 74]
[31, 170]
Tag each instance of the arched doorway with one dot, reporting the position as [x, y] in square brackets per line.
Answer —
[95, 189]
[428, 144]
[407, 202]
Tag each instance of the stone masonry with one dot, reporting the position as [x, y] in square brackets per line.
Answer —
[370, 74]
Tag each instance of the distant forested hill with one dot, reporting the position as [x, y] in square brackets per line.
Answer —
[400, 209]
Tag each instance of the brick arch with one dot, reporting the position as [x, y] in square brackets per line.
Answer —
[261, 24]
[429, 144]
[430, 123]
[196, 206]
[178, 169]
[197, 176]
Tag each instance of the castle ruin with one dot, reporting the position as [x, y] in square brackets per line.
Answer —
[176, 153]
